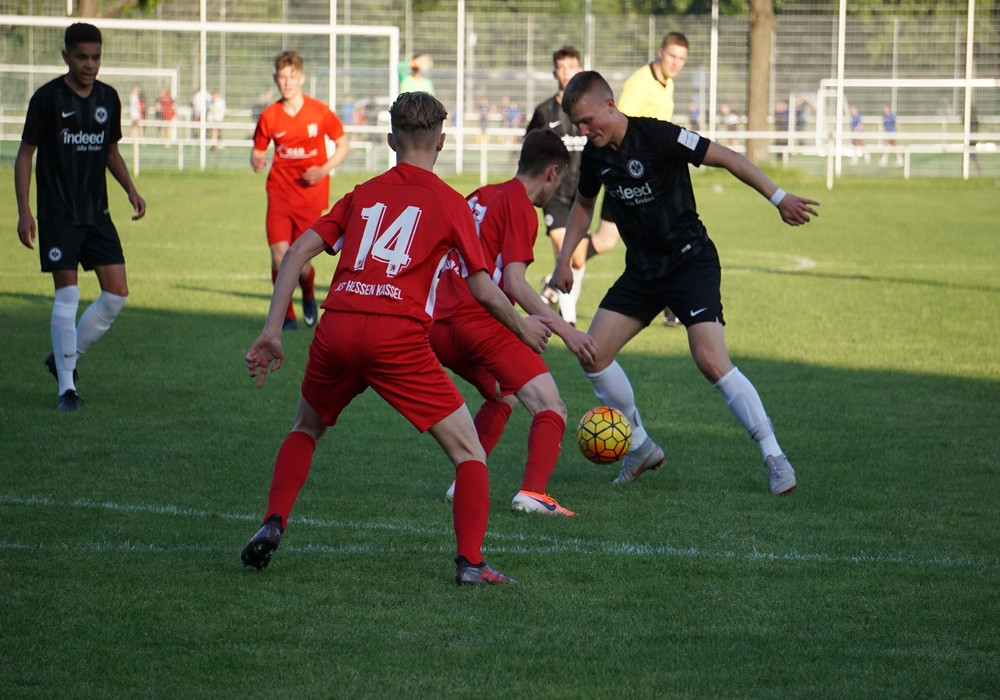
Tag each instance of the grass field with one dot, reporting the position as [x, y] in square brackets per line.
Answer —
[871, 335]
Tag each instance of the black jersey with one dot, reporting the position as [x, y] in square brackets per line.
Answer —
[73, 135]
[647, 186]
[549, 115]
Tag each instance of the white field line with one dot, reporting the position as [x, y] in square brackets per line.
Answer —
[495, 542]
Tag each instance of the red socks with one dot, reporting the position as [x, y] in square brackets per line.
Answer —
[544, 444]
[490, 423]
[308, 284]
[471, 509]
[291, 468]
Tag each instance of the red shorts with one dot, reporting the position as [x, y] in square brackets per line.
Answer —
[390, 354]
[486, 354]
[285, 224]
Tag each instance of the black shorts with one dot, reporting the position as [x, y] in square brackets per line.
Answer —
[691, 290]
[66, 246]
[556, 214]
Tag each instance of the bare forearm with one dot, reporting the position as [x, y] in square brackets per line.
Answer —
[580, 216]
[22, 181]
[118, 169]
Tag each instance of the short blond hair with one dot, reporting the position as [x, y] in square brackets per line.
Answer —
[288, 58]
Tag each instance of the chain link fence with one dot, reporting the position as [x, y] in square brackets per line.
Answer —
[492, 72]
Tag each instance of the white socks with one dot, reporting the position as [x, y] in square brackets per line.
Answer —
[97, 319]
[743, 400]
[612, 387]
[568, 300]
[69, 340]
[67, 300]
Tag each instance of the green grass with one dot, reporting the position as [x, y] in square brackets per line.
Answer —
[871, 335]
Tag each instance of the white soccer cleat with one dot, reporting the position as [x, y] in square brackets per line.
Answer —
[450, 493]
[645, 457]
[782, 476]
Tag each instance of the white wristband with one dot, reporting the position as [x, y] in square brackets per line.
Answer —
[778, 195]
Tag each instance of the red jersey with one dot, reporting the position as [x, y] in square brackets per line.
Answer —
[299, 144]
[507, 224]
[390, 251]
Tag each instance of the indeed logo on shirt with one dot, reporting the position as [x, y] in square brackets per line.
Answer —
[83, 140]
[632, 195]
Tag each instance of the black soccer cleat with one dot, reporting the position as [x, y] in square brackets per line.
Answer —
[476, 575]
[50, 362]
[69, 400]
[309, 311]
[261, 546]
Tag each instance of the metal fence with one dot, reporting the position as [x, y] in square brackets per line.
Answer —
[490, 69]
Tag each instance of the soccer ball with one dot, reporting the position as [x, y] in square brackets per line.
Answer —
[604, 435]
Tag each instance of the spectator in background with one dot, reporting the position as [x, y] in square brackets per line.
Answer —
[781, 123]
[857, 128]
[168, 113]
[264, 100]
[217, 115]
[694, 116]
[417, 80]
[201, 102]
[136, 111]
[973, 142]
[890, 126]
[730, 120]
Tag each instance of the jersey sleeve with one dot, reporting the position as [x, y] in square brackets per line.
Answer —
[34, 120]
[116, 120]
[332, 125]
[262, 134]
[331, 226]
[681, 143]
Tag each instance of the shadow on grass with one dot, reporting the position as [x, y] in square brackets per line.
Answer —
[162, 383]
[866, 278]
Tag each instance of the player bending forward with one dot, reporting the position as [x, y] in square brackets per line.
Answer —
[669, 259]
[394, 234]
[478, 348]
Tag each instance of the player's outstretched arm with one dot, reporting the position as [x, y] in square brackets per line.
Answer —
[533, 331]
[580, 216]
[794, 210]
[22, 190]
[516, 286]
[267, 348]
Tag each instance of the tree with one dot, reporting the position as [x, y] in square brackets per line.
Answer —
[116, 8]
[762, 27]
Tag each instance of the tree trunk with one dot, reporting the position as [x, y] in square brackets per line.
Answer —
[85, 8]
[762, 26]
[89, 8]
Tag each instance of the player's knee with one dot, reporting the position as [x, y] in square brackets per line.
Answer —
[711, 365]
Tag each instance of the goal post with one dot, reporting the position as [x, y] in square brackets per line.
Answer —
[934, 115]
[203, 34]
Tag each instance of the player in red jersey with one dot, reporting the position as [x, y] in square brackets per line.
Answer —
[298, 184]
[394, 234]
[479, 349]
